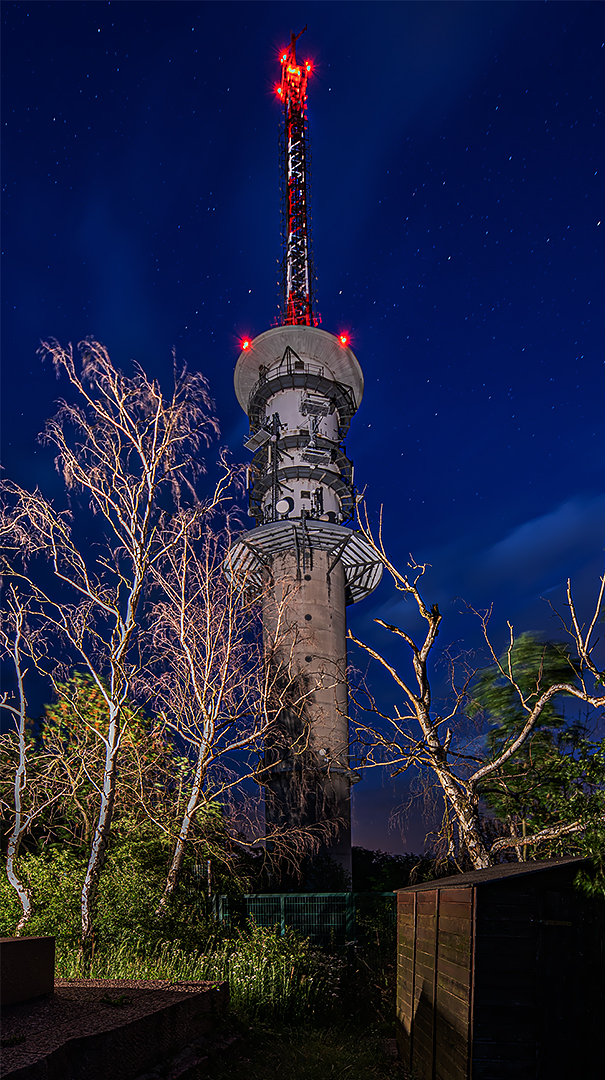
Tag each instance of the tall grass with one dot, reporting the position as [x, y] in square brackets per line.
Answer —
[269, 976]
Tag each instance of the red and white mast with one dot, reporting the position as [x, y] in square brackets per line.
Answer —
[297, 268]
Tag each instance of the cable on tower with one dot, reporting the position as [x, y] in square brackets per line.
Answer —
[297, 277]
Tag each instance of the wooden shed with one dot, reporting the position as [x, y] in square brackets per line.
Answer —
[501, 973]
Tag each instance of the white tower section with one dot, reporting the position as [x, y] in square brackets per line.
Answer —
[300, 388]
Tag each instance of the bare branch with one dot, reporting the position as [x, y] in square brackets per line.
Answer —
[553, 832]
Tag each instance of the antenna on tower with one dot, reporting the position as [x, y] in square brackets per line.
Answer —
[297, 275]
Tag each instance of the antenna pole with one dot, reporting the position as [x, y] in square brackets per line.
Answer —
[297, 268]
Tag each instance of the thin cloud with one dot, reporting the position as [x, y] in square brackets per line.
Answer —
[549, 546]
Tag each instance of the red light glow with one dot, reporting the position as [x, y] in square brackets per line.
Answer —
[278, 90]
[245, 344]
[344, 339]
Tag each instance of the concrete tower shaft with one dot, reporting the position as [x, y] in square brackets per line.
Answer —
[310, 775]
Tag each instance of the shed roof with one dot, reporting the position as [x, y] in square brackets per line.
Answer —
[492, 873]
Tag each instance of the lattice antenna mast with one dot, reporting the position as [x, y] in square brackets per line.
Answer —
[297, 268]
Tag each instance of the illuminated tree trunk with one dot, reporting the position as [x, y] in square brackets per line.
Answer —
[178, 855]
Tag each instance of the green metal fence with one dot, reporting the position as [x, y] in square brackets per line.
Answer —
[329, 919]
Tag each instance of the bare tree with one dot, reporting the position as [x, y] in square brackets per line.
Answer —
[221, 688]
[442, 745]
[133, 455]
[55, 776]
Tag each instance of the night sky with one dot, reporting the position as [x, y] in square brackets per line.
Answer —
[457, 197]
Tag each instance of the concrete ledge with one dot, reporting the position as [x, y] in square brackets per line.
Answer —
[112, 1028]
[27, 968]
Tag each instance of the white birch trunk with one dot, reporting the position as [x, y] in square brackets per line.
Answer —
[22, 819]
[16, 836]
[98, 849]
[178, 856]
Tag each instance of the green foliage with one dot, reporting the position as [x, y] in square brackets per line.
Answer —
[535, 666]
[152, 771]
[70, 736]
[55, 878]
[129, 891]
[592, 880]
[56, 875]
[558, 775]
[525, 786]
[282, 977]
[588, 804]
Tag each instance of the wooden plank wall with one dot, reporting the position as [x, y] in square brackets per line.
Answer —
[406, 950]
[423, 1029]
[570, 980]
[454, 984]
[434, 956]
[506, 1004]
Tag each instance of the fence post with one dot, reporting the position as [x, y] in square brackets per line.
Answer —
[350, 926]
[224, 915]
[282, 913]
[350, 917]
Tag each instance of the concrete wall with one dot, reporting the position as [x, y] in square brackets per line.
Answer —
[305, 628]
[27, 968]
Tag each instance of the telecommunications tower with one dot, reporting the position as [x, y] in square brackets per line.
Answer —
[300, 388]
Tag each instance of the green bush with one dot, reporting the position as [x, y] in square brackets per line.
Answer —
[55, 881]
[129, 892]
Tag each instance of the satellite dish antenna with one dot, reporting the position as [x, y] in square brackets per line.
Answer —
[285, 506]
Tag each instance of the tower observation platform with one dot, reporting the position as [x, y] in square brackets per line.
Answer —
[300, 388]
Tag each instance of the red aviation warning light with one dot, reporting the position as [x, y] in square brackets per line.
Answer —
[344, 339]
[297, 274]
[245, 343]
